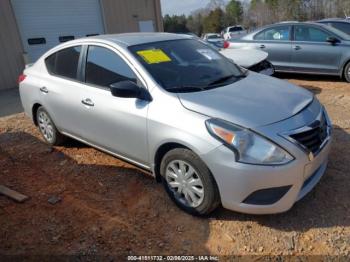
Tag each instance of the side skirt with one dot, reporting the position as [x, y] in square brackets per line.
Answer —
[133, 162]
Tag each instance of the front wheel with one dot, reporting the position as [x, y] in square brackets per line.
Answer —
[189, 182]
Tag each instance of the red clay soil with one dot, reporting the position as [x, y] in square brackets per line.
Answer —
[108, 207]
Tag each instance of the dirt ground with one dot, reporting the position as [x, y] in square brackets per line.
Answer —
[108, 207]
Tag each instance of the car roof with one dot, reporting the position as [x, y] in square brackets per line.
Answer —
[130, 39]
[342, 20]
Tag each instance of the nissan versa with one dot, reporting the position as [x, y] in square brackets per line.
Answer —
[211, 131]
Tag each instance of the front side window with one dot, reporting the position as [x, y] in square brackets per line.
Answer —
[104, 67]
[310, 34]
[64, 62]
[186, 65]
[280, 33]
[344, 27]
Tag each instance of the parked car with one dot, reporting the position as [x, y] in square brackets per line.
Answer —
[309, 48]
[214, 39]
[211, 131]
[338, 23]
[254, 60]
[233, 32]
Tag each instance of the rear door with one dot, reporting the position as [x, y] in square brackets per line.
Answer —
[60, 88]
[276, 41]
[312, 53]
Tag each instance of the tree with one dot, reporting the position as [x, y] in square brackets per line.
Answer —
[195, 23]
[175, 24]
[213, 23]
[234, 13]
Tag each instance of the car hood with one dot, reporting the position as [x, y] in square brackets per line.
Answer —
[254, 101]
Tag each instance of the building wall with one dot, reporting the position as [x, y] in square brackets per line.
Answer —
[11, 59]
[119, 16]
[122, 16]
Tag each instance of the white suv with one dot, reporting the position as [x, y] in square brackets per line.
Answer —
[233, 32]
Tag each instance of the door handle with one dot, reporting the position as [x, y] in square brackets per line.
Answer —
[87, 102]
[262, 46]
[297, 47]
[44, 90]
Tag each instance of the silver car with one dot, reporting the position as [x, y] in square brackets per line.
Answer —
[309, 48]
[212, 132]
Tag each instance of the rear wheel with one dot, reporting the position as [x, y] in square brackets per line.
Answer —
[189, 183]
[347, 72]
[48, 129]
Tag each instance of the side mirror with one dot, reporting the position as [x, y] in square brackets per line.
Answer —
[129, 89]
[126, 89]
[332, 40]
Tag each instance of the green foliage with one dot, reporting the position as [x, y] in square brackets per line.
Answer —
[214, 21]
[175, 24]
[234, 13]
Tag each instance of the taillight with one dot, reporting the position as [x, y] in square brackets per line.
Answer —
[21, 78]
[226, 44]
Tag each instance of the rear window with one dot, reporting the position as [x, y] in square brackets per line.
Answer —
[236, 29]
[64, 63]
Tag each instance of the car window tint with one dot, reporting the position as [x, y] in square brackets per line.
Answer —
[236, 29]
[104, 67]
[65, 62]
[280, 33]
[310, 34]
[344, 27]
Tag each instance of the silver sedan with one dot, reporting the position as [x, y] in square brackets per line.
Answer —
[211, 132]
[307, 48]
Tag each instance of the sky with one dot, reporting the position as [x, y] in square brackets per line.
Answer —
[179, 7]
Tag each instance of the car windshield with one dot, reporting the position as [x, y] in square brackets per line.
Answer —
[214, 36]
[186, 65]
[236, 29]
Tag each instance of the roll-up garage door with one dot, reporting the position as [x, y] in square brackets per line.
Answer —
[44, 24]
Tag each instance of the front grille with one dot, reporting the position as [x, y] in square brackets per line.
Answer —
[313, 138]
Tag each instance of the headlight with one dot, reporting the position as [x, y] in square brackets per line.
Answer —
[248, 146]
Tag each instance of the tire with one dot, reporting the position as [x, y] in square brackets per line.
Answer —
[48, 129]
[195, 172]
[347, 72]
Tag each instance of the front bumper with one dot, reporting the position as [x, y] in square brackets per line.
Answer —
[237, 182]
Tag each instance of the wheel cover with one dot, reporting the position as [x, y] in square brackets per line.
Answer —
[46, 126]
[185, 183]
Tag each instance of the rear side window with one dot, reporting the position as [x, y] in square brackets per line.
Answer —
[280, 33]
[104, 67]
[64, 62]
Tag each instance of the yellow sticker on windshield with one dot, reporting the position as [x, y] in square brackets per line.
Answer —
[154, 56]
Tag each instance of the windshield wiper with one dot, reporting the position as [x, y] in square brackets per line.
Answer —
[224, 79]
[185, 89]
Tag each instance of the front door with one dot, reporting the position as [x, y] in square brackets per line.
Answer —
[116, 124]
[312, 53]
